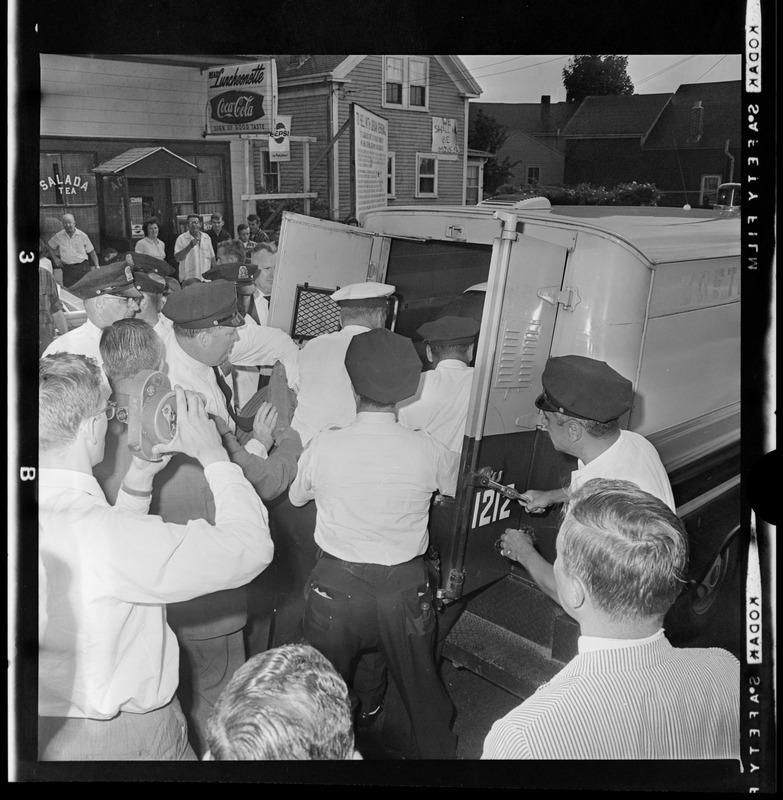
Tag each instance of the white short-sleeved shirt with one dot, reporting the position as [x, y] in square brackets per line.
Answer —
[630, 458]
[198, 260]
[150, 248]
[440, 405]
[72, 249]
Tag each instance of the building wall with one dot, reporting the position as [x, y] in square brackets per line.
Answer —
[530, 153]
[677, 173]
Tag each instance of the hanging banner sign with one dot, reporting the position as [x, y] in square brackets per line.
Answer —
[242, 98]
[370, 145]
[444, 135]
[280, 139]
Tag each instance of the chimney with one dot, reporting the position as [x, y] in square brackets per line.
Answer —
[697, 122]
[545, 100]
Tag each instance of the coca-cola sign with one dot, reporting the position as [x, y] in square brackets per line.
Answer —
[236, 108]
[241, 98]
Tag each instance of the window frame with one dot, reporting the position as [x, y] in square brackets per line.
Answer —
[537, 180]
[419, 158]
[704, 178]
[391, 175]
[406, 104]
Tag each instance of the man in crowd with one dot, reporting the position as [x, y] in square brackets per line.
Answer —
[72, 251]
[154, 278]
[205, 321]
[216, 232]
[582, 402]
[193, 250]
[109, 293]
[440, 404]
[287, 704]
[265, 258]
[107, 659]
[257, 235]
[372, 483]
[243, 234]
[628, 694]
[51, 313]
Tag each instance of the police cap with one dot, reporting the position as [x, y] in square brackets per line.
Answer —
[383, 366]
[232, 271]
[204, 305]
[584, 387]
[449, 330]
[366, 295]
[113, 279]
[151, 282]
[141, 262]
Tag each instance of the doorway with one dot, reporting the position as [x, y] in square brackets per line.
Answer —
[151, 197]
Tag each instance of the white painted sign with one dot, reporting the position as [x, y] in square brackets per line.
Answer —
[370, 146]
[444, 135]
[242, 98]
[280, 139]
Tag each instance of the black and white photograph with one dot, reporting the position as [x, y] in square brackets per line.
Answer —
[415, 411]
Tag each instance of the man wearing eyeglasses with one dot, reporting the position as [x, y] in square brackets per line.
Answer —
[108, 661]
[582, 402]
[109, 293]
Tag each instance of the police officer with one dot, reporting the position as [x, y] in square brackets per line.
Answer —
[109, 293]
[372, 482]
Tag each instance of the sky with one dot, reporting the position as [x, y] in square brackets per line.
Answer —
[523, 79]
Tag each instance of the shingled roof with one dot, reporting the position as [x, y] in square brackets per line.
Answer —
[526, 117]
[616, 115]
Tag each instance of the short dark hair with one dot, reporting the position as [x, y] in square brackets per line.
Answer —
[627, 546]
[242, 227]
[288, 703]
[193, 216]
[147, 223]
[253, 218]
[444, 350]
[231, 247]
[127, 347]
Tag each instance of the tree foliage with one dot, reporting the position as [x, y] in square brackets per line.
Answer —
[596, 75]
[489, 135]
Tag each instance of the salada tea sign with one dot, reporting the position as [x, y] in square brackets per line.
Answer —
[242, 98]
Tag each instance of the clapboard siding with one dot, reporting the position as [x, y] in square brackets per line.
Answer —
[95, 98]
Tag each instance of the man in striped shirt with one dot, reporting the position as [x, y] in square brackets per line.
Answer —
[627, 694]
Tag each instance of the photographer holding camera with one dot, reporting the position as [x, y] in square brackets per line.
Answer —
[108, 668]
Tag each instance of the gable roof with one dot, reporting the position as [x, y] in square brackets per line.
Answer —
[291, 67]
[616, 115]
[526, 117]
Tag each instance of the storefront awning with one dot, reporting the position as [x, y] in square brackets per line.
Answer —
[148, 162]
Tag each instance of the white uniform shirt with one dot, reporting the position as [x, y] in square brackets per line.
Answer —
[324, 392]
[372, 483]
[630, 458]
[72, 249]
[440, 405]
[198, 260]
[105, 575]
[85, 341]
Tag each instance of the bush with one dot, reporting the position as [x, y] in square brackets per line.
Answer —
[586, 194]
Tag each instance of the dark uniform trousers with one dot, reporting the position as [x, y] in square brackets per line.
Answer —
[353, 607]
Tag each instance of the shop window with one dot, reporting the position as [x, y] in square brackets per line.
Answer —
[426, 175]
[67, 186]
[406, 81]
[391, 176]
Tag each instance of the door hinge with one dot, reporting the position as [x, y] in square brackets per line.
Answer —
[568, 297]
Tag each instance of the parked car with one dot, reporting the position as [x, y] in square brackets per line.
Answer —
[75, 314]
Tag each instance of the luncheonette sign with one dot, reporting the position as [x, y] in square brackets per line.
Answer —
[242, 98]
[370, 145]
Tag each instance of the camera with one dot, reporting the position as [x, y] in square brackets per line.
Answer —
[148, 406]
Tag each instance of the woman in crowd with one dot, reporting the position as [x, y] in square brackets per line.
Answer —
[150, 244]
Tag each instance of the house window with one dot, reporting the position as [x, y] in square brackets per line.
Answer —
[406, 82]
[709, 190]
[426, 175]
[473, 184]
[266, 172]
[533, 176]
[391, 176]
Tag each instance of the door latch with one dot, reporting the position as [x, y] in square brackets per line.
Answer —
[568, 297]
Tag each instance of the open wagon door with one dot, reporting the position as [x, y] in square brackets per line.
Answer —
[315, 258]
[525, 294]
